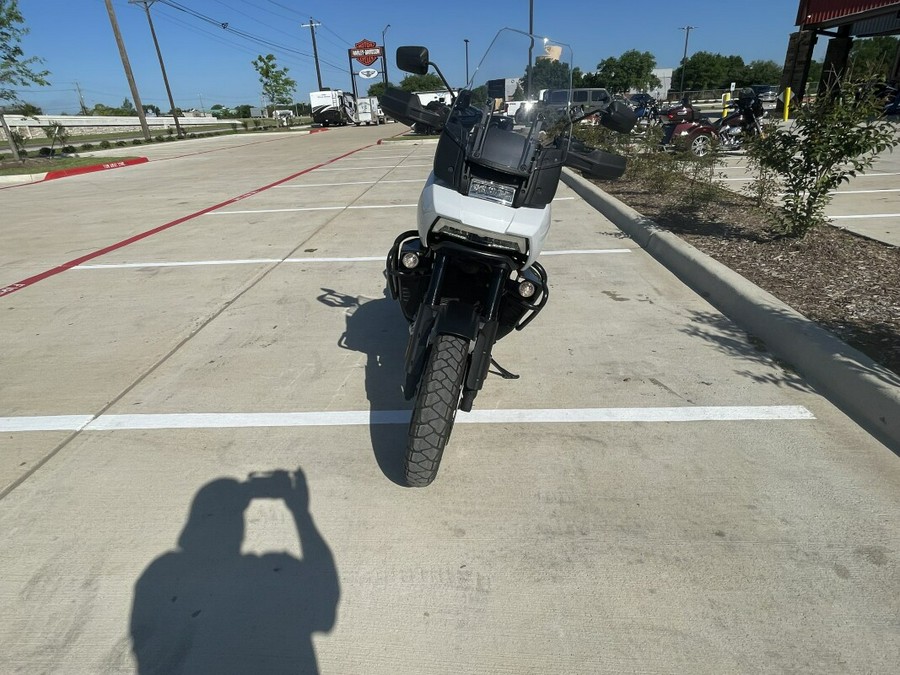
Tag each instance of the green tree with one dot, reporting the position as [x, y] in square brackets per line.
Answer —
[277, 87]
[427, 82]
[632, 70]
[548, 74]
[15, 70]
[704, 70]
[151, 109]
[762, 72]
[24, 109]
[873, 57]
[378, 88]
[242, 111]
[56, 132]
[815, 74]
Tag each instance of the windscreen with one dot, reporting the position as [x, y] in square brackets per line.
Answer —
[500, 121]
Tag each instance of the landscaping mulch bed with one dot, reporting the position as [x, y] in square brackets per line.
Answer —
[844, 282]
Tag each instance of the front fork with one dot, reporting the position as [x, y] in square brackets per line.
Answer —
[455, 318]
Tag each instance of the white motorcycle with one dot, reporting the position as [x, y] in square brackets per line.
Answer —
[469, 275]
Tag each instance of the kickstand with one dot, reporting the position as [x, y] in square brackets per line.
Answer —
[503, 372]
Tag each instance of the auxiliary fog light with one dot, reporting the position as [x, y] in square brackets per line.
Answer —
[526, 289]
[410, 260]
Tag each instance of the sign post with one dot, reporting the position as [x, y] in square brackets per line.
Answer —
[365, 52]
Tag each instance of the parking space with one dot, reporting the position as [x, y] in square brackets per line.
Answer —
[869, 204]
[654, 492]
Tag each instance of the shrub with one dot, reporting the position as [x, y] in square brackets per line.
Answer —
[86, 147]
[120, 144]
[104, 144]
[833, 139]
[45, 152]
[234, 127]
[23, 153]
[69, 149]
[136, 141]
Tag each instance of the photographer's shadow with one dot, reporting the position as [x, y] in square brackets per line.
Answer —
[207, 608]
[376, 328]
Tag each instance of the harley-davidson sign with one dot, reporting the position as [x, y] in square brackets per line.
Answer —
[366, 52]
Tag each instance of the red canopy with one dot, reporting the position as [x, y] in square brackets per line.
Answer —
[813, 12]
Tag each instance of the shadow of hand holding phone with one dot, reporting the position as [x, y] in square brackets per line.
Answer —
[207, 608]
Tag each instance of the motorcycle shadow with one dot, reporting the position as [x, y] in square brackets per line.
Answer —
[376, 328]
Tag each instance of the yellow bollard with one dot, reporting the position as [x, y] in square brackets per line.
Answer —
[787, 103]
[725, 99]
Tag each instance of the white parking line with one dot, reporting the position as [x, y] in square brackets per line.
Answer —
[354, 182]
[866, 216]
[311, 208]
[269, 261]
[862, 192]
[366, 417]
[359, 168]
[333, 208]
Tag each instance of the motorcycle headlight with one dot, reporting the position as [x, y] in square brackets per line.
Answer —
[457, 230]
[492, 192]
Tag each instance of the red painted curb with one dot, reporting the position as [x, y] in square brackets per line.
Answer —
[62, 173]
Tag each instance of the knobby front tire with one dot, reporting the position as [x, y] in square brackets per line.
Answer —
[437, 399]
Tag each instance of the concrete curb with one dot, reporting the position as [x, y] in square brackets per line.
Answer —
[864, 390]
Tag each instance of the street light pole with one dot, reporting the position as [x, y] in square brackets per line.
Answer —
[384, 57]
[687, 34]
[530, 47]
[162, 66]
[466, 40]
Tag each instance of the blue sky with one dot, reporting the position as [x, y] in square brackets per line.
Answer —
[207, 64]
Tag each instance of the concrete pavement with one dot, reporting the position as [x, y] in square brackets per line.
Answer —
[235, 323]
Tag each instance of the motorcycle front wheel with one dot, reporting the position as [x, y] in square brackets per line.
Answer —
[437, 399]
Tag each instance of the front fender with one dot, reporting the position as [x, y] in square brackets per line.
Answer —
[453, 318]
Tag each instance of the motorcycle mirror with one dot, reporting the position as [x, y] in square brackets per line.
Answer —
[619, 117]
[413, 60]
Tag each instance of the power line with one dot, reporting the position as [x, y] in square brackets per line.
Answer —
[242, 33]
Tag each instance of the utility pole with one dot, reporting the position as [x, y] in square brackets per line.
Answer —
[128, 73]
[162, 66]
[687, 34]
[84, 110]
[312, 29]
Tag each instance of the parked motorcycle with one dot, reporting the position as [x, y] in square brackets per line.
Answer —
[729, 132]
[647, 113]
[469, 275]
[683, 111]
